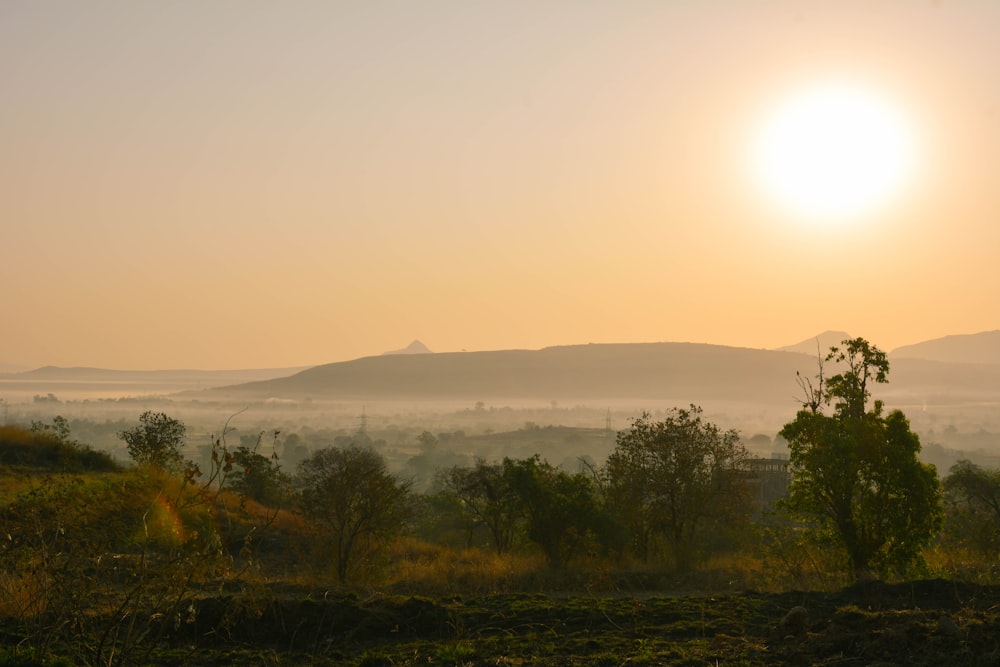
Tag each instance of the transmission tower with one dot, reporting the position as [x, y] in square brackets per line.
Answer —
[363, 425]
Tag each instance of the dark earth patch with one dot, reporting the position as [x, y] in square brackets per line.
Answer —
[933, 622]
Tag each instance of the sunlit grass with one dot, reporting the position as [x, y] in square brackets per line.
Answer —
[962, 564]
[422, 567]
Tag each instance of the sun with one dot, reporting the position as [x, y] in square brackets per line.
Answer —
[834, 152]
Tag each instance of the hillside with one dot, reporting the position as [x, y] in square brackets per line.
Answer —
[980, 348]
[680, 372]
[646, 370]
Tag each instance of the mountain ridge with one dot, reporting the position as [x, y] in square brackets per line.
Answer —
[988, 342]
[982, 347]
[684, 372]
[688, 372]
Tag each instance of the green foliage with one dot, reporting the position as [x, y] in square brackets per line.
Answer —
[350, 495]
[670, 480]
[972, 502]
[856, 472]
[103, 567]
[486, 500]
[156, 441]
[257, 476]
[42, 448]
[73, 541]
[59, 428]
[562, 511]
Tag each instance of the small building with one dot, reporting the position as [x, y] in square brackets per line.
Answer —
[768, 479]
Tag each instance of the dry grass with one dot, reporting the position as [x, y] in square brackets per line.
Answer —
[962, 564]
[22, 594]
[429, 569]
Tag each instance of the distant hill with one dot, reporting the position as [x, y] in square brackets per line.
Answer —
[679, 373]
[980, 348]
[826, 340]
[416, 347]
[684, 371]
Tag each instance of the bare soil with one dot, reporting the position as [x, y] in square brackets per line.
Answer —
[933, 622]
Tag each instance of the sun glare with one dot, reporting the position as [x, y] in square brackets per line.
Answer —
[833, 153]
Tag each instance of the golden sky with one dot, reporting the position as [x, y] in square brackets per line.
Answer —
[246, 184]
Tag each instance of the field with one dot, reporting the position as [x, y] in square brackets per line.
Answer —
[101, 565]
[932, 622]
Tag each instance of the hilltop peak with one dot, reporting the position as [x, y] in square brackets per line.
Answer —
[416, 347]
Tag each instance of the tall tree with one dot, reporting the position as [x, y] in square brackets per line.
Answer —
[855, 472]
[668, 479]
[351, 495]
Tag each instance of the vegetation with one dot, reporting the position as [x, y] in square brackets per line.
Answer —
[42, 449]
[259, 477]
[855, 472]
[562, 512]
[668, 480]
[972, 495]
[353, 499]
[483, 496]
[510, 561]
[156, 441]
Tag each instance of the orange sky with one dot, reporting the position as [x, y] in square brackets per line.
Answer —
[216, 185]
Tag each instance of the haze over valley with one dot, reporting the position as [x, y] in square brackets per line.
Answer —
[563, 402]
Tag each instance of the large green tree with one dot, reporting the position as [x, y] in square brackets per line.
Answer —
[669, 479]
[351, 496]
[855, 471]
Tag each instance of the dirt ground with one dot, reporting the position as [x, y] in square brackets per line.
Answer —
[932, 622]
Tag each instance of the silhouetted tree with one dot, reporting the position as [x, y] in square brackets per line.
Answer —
[855, 472]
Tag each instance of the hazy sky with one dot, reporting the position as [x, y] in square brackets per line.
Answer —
[208, 184]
